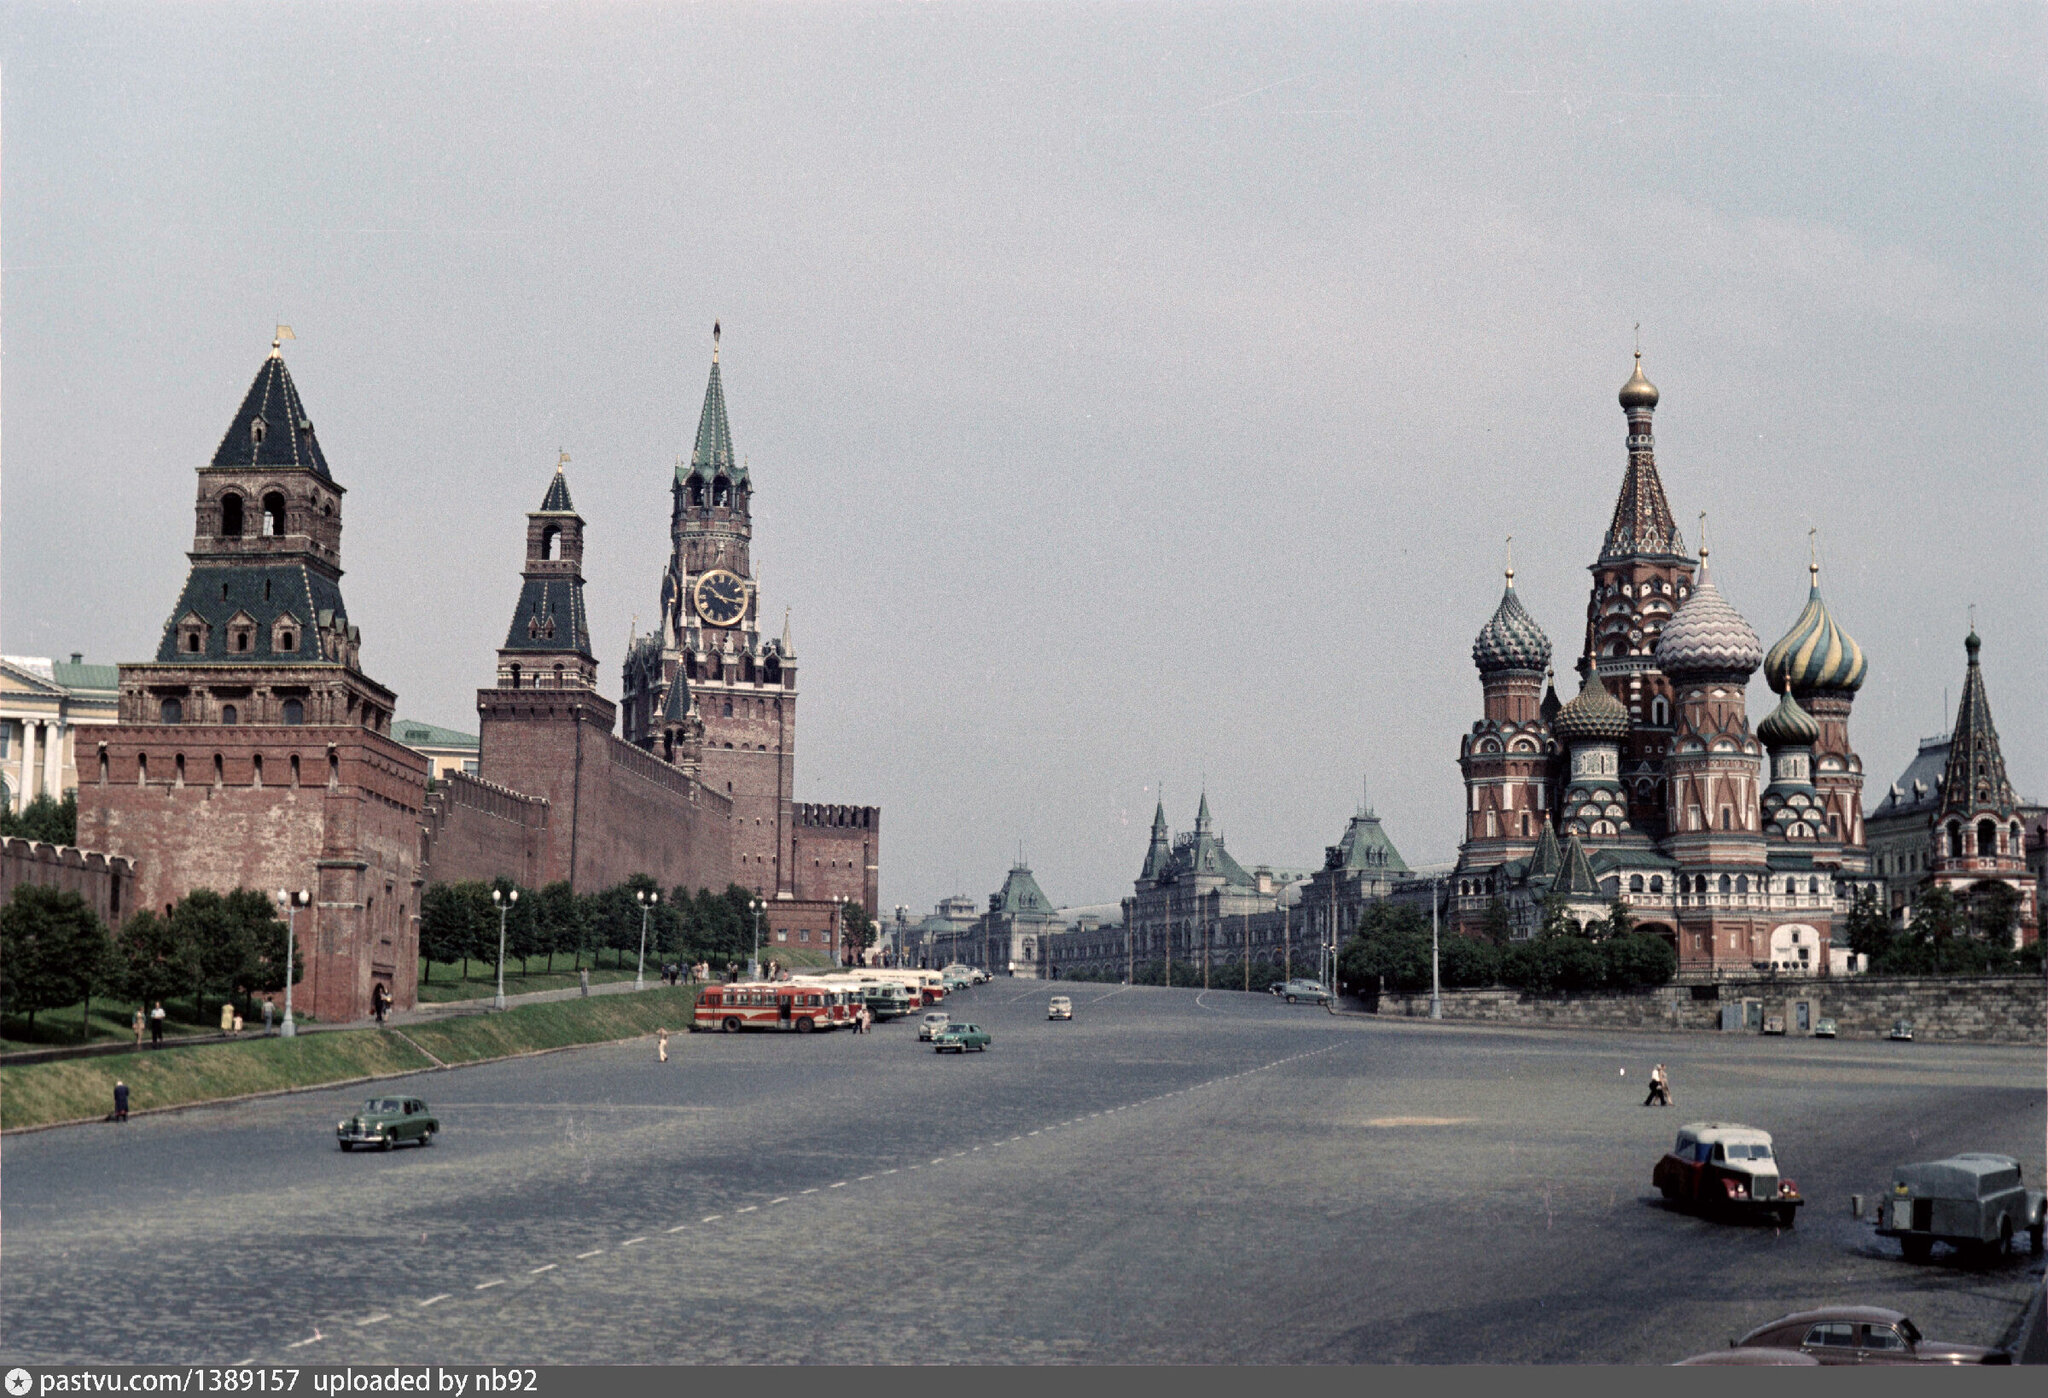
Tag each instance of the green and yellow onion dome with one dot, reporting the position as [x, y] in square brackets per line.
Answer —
[1595, 716]
[1815, 653]
[1511, 640]
[1788, 726]
[1707, 636]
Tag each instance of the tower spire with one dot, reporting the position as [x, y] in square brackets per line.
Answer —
[1642, 522]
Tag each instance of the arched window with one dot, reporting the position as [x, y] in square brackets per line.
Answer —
[256, 769]
[558, 677]
[1635, 883]
[172, 711]
[273, 514]
[515, 677]
[178, 768]
[231, 516]
[103, 764]
[1987, 838]
[1727, 818]
[696, 490]
[1656, 883]
[219, 770]
[728, 713]
[1955, 840]
[1742, 883]
[721, 491]
[192, 640]
[295, 771]
[229, 714]
[287, 641]
[550, 542]
[1660, 712]
[2016, 844]
[1813, 885]
[294, 714]
[1727, 884]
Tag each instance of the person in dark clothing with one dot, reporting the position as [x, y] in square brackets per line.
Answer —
[120, 1100]
[156, 1025]
[1660, 1088]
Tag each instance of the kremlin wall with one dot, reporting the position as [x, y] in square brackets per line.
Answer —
[253, 751]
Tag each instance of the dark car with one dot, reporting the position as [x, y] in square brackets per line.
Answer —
[385, 1121]
[1864, 1335]
[960, 1038]
[1726, 1168]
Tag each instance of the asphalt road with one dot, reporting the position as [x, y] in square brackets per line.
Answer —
[1173, 1176]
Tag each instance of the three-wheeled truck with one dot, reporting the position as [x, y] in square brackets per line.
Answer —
[1974, 1202]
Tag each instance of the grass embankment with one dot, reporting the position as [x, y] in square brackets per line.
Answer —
[39, 1093]
[110, 1020]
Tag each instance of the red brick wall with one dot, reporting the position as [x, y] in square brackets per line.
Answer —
[613, 810]
[107, 884]
[472, 831]
[347, 831]
[799, 923]
[836, 850]
[751, 756]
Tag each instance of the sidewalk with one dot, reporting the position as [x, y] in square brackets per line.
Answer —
[422, 1014]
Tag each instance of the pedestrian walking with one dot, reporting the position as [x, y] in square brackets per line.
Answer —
[1660, 1088]
[661, 1044]
[380, 1001]
[120, 1100]
[865, 1018]
[138, 1026]
[156, 1025]
[269, 1010]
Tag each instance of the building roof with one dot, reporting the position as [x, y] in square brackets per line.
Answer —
[265, 593]
[1788, 725]
[415, 734]
[1593, 716]
[549, 618]
[286, 438]
[1975, 779]
[1918, 789]
[712, 454]
[1158, 848]
[1576, 879]
[556, 501]
[1021, 894]
[676, 706]
[1365, 846]
[75, 674]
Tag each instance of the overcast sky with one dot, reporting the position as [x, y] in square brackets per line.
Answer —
[1133, 393]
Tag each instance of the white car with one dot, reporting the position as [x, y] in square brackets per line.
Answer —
[1060, 1008]
[979, 976]
[929, 1027]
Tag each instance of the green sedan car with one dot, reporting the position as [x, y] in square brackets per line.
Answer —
[385, 1121]
[960, 1038]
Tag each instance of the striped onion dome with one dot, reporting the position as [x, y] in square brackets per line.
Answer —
[1511, 640]
[1706, 635]
[1595, 716]
[1815, 653]
[1788, 725]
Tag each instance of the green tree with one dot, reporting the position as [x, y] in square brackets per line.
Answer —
[856, 930]
[54, 951]
[558, 922]
[1466, 962]
[51, 821]
[222, 935]
[444, 927]
[1867, 929]
[1553, 963]
[267, 938]
[1391, 949]
[1620, 922]
[1994, 912]
[1636, 959]
[1557, 922]
[152, 962]
[1495, 924]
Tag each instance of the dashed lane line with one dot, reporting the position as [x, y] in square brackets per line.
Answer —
[592, 1253]
[301, 1344]
[432, 1299]
[842, 1183]
[750, 1208]
[546, 1267]
[711, 1218]
[679, 1228]
[812, 1190]
[486, 1286]
[373, 1319]
[630, 1241]
[783, 1200]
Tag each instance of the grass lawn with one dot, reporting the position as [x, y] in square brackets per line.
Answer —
[38, 1093]
[110, 1021]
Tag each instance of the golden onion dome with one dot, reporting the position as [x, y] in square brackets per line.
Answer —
[1638, 392]
[1816, 653]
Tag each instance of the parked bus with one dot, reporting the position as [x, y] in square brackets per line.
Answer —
[785, 1005]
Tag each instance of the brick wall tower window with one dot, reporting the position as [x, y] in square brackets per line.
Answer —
[231, 516]
[550, 543]
[273, 515]
[294, 713]
[172, 711]
[230, 715]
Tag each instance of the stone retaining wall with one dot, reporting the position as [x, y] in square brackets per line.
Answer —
[1961, 1009]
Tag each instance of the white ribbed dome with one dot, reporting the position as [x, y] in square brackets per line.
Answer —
[1707, 635]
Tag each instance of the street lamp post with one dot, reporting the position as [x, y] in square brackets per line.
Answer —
[754, 969]
[503, 901]
[291, 903]
[646, 898]
[1436, 999]
[838, 942]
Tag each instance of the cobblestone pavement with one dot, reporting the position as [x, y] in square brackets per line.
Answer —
[1173, 1176]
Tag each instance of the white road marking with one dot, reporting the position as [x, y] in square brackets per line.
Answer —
[812, 1190]
[711, 1218]
[592, 1253]
[783, 1200]
[301, 1344]
[679, 1228]
[485, 1286]
[1031, 1133]
[373, 1319]
[630, 1241]
[243, 1363]
[865, 1177]
[432, 1299]
[888, 1172]
[840, 1185]
[750, 1208]
[538, 1270]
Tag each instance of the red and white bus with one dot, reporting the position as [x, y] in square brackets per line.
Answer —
[781, 1005]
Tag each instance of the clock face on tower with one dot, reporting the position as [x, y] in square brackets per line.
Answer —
[721, 597]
